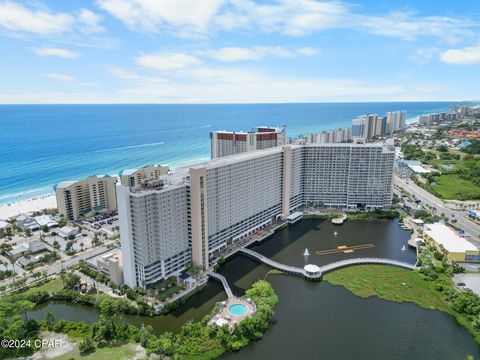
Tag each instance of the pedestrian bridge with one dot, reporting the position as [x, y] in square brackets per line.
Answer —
[224, 282]
[367, 260]
[325, 268]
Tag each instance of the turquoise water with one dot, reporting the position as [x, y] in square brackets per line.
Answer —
[237, 309]
[41, 145]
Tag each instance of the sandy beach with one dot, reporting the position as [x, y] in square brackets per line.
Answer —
[24, 206]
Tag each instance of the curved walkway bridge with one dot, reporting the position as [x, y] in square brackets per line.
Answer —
[323, 269]
[224, 282]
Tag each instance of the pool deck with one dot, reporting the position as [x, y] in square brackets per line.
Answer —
[224, 317]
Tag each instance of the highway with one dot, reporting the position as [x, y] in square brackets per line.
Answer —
[425, 197]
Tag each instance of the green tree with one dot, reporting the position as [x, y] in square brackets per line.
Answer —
[71, 281]
[86, 346]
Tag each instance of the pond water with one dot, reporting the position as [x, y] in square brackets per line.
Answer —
[316, 320]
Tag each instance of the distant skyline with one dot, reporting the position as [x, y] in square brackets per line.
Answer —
[238, 51]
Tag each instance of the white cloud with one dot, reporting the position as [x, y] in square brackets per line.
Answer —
[407, 26]
[16, 17]
[166, 61]
[89, 22]
[465, 56]
[130, 76]
[58, 76]
[308, 51]
[424, 55]
[291, 17]
[89, 84]
[57, 52]
[147, 15]
[234, 54]
[301, 17]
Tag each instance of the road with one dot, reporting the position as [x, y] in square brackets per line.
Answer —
[57, 266]
[425, 197]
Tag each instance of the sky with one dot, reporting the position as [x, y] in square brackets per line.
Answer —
[238, 51]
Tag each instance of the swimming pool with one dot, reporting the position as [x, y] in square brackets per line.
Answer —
[237, 309]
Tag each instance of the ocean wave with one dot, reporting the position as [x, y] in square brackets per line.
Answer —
[130, 147]
[44, 190]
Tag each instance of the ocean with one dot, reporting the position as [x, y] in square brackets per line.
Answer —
[41, 145]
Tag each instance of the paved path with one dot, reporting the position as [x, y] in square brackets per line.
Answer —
[224, 282]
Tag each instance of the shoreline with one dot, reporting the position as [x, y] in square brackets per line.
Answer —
[37, 203]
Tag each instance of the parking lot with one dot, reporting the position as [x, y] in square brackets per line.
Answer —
[471, 281]
[103, 222]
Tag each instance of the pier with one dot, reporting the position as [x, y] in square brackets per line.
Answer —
[363, 261]
[293, 270]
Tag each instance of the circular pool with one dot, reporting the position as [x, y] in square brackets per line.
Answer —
[237, 309]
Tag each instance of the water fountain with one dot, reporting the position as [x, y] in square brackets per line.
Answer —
[306, 252]
[403, 248]
[335, 233]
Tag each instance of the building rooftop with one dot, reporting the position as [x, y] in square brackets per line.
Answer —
[64, 184]
[127, 172]
[451, 241]
[48, 220]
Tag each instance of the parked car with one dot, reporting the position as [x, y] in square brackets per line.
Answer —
[460, 284]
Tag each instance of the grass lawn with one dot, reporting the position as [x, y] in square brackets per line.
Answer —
[389, 283]
[448, 186]
[173, 289]
[53, 286]
[395, 284]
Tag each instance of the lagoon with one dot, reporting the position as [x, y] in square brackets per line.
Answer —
[319, 320]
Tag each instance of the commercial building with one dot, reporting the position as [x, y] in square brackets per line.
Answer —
[88, 196]
[67, 231]
[133, 177]
[459, 249]
[224, 143]
[193, 213]
[109, 264]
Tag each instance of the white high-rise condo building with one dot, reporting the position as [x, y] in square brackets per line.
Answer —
[330, 137]
[154, 230]
[395, 122]
[80, 198]
[133, 177]
[224, 143]
[193, 213]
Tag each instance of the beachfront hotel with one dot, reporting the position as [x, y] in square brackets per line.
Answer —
[79, 198]
[193, 213]
[133, 177]
[225, 143]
